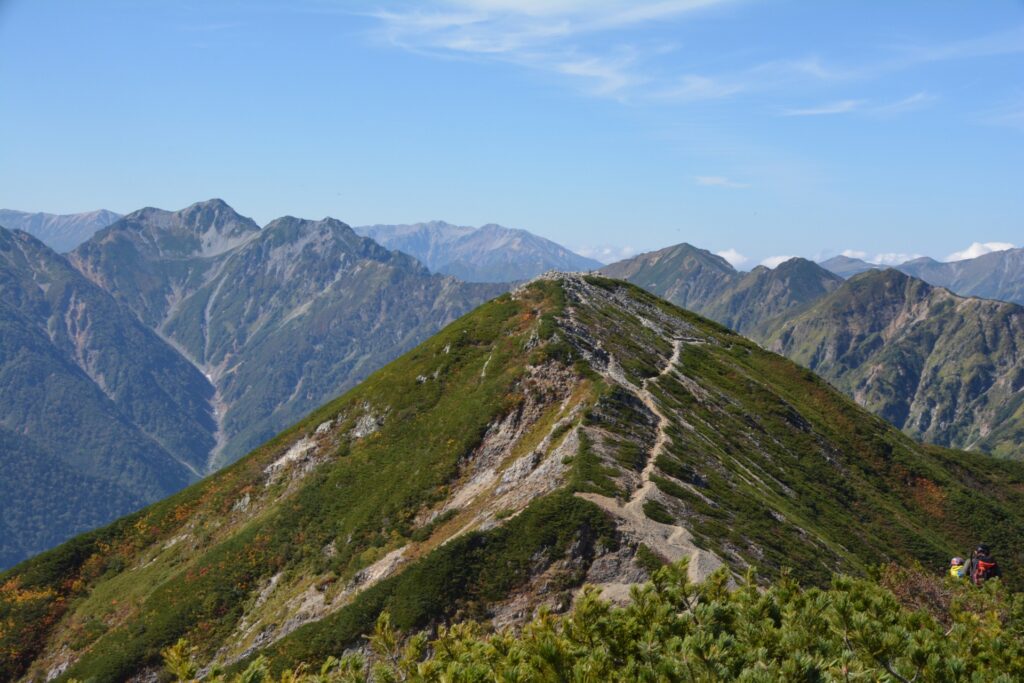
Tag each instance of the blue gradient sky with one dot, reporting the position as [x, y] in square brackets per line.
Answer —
[767, 128]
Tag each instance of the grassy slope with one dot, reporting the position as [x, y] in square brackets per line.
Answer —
[774, 469]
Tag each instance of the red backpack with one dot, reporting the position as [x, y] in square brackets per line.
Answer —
[983, 570]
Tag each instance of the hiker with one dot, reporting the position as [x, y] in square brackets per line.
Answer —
[982, 566]
[957, 568]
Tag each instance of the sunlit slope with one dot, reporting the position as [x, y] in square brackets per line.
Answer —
[576, 430]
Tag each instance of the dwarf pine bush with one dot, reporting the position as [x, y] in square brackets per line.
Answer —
[673, 630]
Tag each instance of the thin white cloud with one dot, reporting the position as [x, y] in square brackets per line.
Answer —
[775, 261]
[1010, 115]
[831, 108]
[735, 258]
[547, 36]
[558, 37]
[694, 88]
[918, 100]
[607, 253]
[854, 253]
[717, 181]
[608, 76]
[979, 249]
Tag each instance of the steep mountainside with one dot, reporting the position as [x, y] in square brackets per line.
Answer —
[999, 275]
[59, 232]
[98, 415]
[576, 430]
[939, 366]
[685, 275]
[152, 259]
[946, 369]
[764, 294]
[706, 283]
[491, 253]
[280, 319]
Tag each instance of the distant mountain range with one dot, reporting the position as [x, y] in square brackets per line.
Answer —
[575, 431]
[490, 253]
[997, 275]
[59, 232]
[171, 342]
[707, 284]
[280, 319]
[944, 368]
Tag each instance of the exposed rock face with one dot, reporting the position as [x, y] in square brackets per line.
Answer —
[490, 253]
[576, 429]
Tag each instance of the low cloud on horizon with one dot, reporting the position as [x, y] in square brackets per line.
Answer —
[734, 257]
[975, 250]
[775, 261]
[979, 249]
[607, 253]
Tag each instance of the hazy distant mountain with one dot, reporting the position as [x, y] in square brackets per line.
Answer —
[944, 368]
[98, 415]
[491, 253]
[706, 283]
[59, 232]
[281, 319]
[846, 266]
[998, 275]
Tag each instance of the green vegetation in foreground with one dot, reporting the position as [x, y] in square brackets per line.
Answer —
[907, 626]
[463, 578]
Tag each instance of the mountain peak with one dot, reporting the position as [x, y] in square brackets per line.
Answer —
[203, 229]
[491, 253]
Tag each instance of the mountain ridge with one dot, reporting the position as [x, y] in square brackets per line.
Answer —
[60, 232]
[494, 469]
[793, 307]
[279, 318]
[996, 275]
[490, 253]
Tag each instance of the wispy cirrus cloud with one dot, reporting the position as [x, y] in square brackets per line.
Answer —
[597, 46]
[912, 102]
[1009, 115]
[541, 35]
[718, 181]
[840, 107]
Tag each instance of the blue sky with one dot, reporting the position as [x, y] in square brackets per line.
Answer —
[758, 129]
